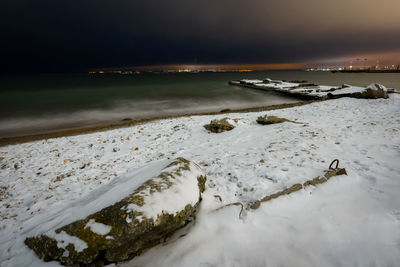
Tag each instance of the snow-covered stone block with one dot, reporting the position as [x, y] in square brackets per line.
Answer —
[161, 199]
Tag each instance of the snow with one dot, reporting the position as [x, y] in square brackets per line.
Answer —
[184, 191]
[251, 81]
[61, 214]
[98, 228]
[351, 220]
[375, 86]
[318, 90]
[63, 240]
[356, 89]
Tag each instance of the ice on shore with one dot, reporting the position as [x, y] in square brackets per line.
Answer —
[351, 220]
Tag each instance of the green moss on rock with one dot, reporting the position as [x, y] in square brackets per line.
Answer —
[131, 232]
[219, 126]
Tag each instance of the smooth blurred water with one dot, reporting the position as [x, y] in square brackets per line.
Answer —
[31, 104]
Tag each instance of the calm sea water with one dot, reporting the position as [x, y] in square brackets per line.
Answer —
[33, 104]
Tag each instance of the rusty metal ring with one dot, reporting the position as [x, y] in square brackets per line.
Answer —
[337, 164]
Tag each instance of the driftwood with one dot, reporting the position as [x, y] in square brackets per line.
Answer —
[265, 120]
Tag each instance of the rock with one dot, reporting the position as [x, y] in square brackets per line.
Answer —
[264, 120]
[309, 85]
[298, 81]
[144, 218]
[374, 90]
[219, 126]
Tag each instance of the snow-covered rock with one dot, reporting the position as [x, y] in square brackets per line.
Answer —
[219, 126]
[375, 90]
[246, 81]
[161, 199]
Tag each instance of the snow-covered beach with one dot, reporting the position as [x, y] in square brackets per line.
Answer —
[351, 220]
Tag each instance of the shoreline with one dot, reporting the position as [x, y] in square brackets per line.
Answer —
[124, 123]
[42, 183]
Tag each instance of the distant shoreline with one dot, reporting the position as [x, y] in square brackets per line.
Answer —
[5, 141]
[366, 71]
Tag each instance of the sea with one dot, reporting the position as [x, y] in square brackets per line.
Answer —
[32, 104]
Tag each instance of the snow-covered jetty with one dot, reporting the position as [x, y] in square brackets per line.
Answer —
[305, 90]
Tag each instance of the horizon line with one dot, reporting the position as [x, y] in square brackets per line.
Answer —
[230, 66]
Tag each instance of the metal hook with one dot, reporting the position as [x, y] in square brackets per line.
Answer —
[337, 164]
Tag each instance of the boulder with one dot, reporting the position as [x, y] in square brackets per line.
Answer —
[155, 207]
[219, 126]
[373, 91]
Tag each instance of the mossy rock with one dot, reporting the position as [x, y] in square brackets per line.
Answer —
[219, 126]
[374, 91]
[123, 230]
[265, 120]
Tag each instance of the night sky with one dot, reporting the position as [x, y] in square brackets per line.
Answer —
[78, 35]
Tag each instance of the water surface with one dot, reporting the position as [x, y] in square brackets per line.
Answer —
[33, 104]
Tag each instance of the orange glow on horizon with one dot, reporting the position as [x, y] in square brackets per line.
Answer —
[368, 59]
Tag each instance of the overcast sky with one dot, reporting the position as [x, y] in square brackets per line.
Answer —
[77, 35]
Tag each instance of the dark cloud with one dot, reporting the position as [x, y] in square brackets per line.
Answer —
[77, 35]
